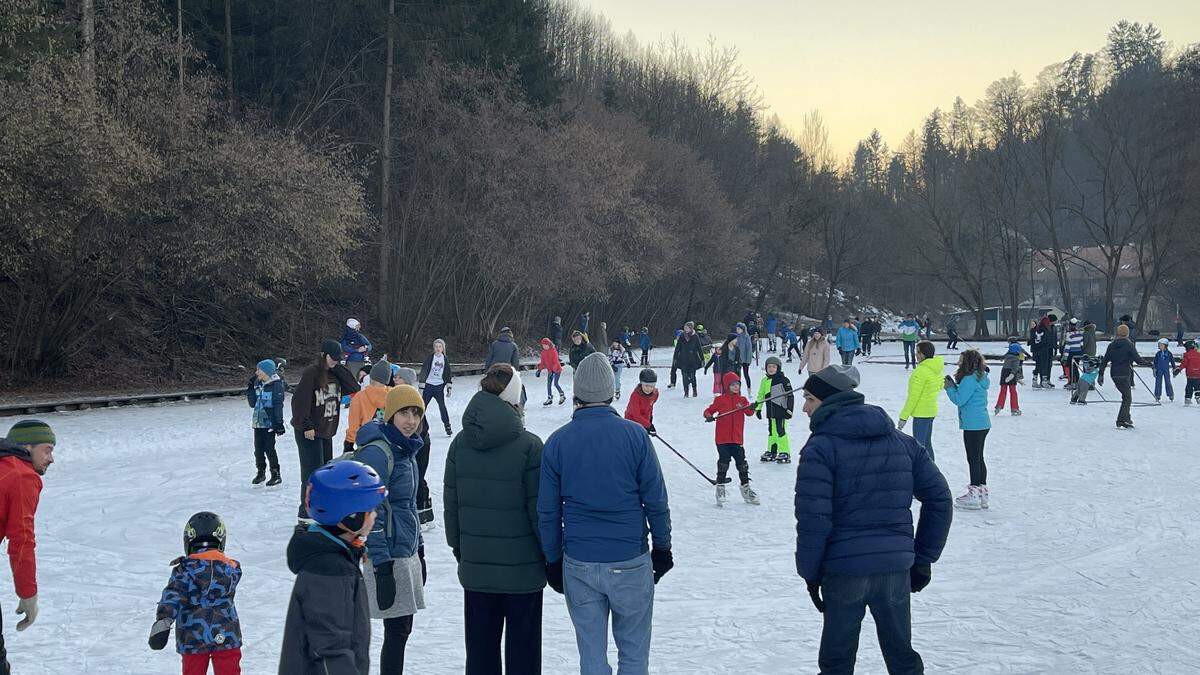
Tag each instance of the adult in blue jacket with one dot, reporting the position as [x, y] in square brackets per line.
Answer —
[968, 390]
[847, 342]
[854, 529]
[356, 348]
[394, 546]
[601, 492]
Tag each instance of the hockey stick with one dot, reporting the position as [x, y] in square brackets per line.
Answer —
[752, 404]
[654, 434]
[1147, 387]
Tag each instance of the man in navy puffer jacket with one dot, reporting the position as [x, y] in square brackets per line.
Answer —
[854, 531]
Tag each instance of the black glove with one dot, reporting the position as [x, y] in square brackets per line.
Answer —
[758, 413]
[919, 575]
[278, 431]
[662, 561]
[159, 633]
[652, 430]
[347, 446]
[708, 419]
[424, 567]
[554, 575]
[537, 373]
[385, 585]
[814, 592]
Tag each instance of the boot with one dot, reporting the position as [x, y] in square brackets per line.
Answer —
[259, 477]
[449, 431]
[769, 456]
[749, 494]
[784, 458]
[983, 497]
[1016, 412]
[562, 398]
[548, 401]
[275, 479]
[970, 500]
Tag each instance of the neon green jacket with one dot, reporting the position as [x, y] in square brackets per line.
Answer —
[924, 387]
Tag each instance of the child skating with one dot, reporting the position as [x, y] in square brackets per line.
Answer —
[775, 391]
[620, 360]
[198, 600]
[265, 393]
[1089, 370]
[1190, 366]
[550, 363]
[730, 410]
[640, 408]
[1164, 363]
[1011, 375]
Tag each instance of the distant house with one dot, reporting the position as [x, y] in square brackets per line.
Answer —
[1087, 288]
[997, 319]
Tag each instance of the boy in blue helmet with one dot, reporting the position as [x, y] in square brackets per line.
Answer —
[328, 626]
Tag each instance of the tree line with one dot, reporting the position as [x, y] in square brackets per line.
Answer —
[197, 182]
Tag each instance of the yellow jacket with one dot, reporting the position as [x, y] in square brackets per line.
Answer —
[924, 386]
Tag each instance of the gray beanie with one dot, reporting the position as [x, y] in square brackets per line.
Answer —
[407, 376]
[381, 372]
[832, 380]
[594, 379]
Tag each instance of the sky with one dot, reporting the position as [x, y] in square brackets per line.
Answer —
[869, 64]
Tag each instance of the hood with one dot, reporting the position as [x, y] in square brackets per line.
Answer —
[489, 422]
[374, 431]
[936, 363]
[375, 394]
[349, 333]
[504, 337]
[10, 449]
[740, 325]
[308, 546]
[729, 378]
[846, 415]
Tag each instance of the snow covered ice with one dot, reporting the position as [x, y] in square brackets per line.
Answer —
[1086, 561]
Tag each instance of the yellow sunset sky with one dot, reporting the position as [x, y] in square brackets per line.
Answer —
[873, 64]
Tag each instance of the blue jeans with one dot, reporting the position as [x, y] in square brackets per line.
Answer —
[910, 353]
[626, 591]
[617, 370]
[1159, 379]
[922, 431]
[846, 599]
[552, 381]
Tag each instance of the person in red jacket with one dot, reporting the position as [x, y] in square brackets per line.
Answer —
[25, 454]
[730, 411]
[553, 367]
[640, 408]
[1190, 364]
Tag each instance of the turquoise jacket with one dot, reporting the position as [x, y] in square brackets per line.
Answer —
[847, 339]
[971, 397]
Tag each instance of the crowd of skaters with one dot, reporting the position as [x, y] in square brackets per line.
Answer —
[576, 511]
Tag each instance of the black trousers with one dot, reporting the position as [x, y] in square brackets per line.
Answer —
[745, 377]
[952, 339]
[1192, 388]
[727, 452]
[438, 392]
[794, 348]
[3, 652]
[313, 455]
[973, 440]
[867, 340]
[264, 450]
[1042, 361]
[1124, 385]
[689, 380]
[910, 353]
[424, 503]
[516, 616]
[395, 639]
[645, 357]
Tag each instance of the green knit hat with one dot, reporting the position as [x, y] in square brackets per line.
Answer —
[30, 432]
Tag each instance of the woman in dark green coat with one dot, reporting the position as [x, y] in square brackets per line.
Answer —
[491, 487]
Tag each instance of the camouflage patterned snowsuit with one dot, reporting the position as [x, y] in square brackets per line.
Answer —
[199, 598]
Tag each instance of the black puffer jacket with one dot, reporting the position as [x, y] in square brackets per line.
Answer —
[328, 628]
[1121, 355]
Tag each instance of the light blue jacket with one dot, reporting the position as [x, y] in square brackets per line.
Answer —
[847, 339]
[971, 397]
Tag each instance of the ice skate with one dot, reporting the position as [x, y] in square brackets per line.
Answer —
[1187, 401]
[1016, 412]
[548, 401]
[259, 477]
[1037, 384]
[996, 411]
[562, 398]
[722, 497]
[969, 501]
[749, 494]
[618, 395]
[983, 496]
[275, 479]
[784, 458]
[449, 431]
[769, 456]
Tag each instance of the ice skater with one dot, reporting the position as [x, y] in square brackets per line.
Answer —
[775, 392]
[730, 410]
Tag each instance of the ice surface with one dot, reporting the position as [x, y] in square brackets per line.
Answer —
[1086, 561]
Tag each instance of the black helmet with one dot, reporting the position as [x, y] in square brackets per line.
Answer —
[647, 376]
[204, 530]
